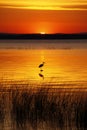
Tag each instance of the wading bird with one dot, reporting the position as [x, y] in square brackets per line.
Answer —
[41, 70]
[41, 65]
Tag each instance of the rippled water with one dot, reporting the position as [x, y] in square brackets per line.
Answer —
[55, 98]
[61, 65]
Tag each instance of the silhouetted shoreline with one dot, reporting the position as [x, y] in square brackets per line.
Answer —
[43, 36]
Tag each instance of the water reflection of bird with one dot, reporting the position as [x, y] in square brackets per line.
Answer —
[41, 75]
[41, 70]
[41, 65]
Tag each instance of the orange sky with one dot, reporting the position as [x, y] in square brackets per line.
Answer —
[49, 16]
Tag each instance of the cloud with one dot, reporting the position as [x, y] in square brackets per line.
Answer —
[46, 7]
[75, 6]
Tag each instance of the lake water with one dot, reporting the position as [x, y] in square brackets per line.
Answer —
[65, 62]
[31, 99]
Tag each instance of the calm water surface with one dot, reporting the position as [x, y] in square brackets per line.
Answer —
[67, 63]
[50, 106]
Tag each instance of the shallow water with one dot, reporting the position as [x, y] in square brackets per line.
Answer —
[62, 66]
[55, 98]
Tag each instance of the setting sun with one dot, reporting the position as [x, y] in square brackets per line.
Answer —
[42, 33]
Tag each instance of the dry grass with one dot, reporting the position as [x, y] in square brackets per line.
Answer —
[56, 108]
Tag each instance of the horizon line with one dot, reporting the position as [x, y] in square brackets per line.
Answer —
[41, 34]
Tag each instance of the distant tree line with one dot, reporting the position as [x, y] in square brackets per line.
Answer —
[44, 36]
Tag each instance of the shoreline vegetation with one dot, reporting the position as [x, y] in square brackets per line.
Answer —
[44, 109]
[43, 36]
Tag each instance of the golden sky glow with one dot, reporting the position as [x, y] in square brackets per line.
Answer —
[45, 4]
[49, 16]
